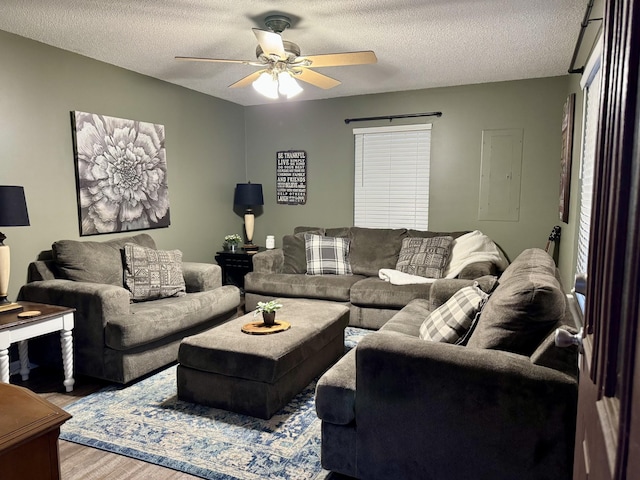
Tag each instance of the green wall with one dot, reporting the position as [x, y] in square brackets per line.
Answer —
[318, 128]
[213, 144]
[40, 85]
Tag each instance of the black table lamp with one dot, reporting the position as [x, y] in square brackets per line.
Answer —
[249, 195]
[13, 213]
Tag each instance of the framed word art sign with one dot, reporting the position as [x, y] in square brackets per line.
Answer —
[291, 177]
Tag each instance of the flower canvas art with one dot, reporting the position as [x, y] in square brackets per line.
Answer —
[121, 174]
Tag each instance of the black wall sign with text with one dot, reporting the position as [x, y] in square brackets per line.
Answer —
[291, 177]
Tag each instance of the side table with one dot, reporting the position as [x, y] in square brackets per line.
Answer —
[13, 329]
[235, 265]
[29, 429]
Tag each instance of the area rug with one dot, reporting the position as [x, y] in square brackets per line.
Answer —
[146, 421]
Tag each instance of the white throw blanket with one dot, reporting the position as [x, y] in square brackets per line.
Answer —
[467, 249]
[473, 247]
[396, 277]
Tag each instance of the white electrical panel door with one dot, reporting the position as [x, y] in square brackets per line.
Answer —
[500, 173]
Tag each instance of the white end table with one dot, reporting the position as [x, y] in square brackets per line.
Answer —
[13, 329]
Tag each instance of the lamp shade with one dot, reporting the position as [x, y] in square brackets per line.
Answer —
[13, 207]
[248, 194]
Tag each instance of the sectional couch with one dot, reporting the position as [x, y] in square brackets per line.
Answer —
[125, 325]
[501, 407]
[282, 273]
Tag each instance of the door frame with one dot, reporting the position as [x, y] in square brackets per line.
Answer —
[613, 283]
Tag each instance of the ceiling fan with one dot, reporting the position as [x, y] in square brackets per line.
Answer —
[282, 64]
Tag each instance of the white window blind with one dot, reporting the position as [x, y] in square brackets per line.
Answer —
[392, 176]
[591, 86]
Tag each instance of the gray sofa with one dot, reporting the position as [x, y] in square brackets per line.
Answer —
[501, 407]
[281, 273]
[115, 338]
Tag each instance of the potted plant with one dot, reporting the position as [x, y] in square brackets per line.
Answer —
[268, 311]
[232, 241]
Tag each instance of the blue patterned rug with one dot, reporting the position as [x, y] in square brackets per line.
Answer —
[146, 421]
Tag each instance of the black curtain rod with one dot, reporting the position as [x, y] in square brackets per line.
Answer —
[391, 117]
[583, 26]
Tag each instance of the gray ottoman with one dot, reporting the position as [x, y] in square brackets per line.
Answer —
[257, 375]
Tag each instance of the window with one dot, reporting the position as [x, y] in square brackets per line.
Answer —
[392, 176]
[590, 83]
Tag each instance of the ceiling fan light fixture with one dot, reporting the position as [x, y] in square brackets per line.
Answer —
[287, 85]
[266, 85]
[281, 65]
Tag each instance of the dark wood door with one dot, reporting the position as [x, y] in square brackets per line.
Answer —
[608, 423]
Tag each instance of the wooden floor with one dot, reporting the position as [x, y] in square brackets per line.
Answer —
[78, 462]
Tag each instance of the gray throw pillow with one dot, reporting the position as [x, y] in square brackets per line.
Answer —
[293, 249]
[150, 274]
[95, 262]
[327, 255]
[374, 248]
[315, 230]
[426, 257]
[429, 234]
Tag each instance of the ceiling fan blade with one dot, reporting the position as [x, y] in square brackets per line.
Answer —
[317, 79]
[219, 60]
[341, 59]
[249, 79]
[270, 42]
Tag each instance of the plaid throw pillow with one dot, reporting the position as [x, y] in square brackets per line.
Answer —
[327, 255]
[449, 322]
[426, 257]
[151, 274]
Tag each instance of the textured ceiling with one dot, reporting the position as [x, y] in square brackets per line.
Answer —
[419, 43]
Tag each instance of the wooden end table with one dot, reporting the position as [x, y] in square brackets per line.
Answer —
[235, 265]
[13, 329]
[29, 429]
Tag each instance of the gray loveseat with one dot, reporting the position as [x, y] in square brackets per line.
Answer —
[281, 273]
[115, 338]
[501, 407]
